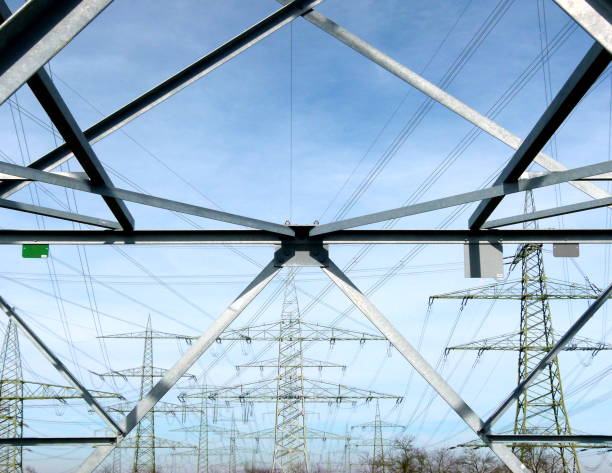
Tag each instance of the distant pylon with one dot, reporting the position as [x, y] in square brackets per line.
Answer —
[11, 400]
[144, 455]
[290, 448]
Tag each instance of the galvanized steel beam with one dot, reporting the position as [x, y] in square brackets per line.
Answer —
[343, 237]
[173, 85]
[34, 441]
[553, 439]
[139, 198]
[595, 17]
[37, 32]
[580, 81]
[547, 213]
[59, 366]
[420, 364]
[61, 214]
[442, 97]
[498, 190]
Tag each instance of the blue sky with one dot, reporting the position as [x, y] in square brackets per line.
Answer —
[226, 141]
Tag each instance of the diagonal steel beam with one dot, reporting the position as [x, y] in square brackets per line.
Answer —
[50, 99]
[580, 81]
[173, 84]
[561, 343]
[139, 198]
[595, 17]
[442, 97]
[563, 210]
[37, 32]
[498, 190]
[420, 364]
[174, 374]
[59, 366]
[61, 214]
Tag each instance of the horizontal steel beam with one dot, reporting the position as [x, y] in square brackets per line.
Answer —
[555, 439]
[465, 198]
[575, 87]
[33, 441]
[139, 198]
[173, 85]
[343, 237]
[441, 96]
[595, 17]
[61, 214]
[601, 177]
[539, 214]
[37, 32]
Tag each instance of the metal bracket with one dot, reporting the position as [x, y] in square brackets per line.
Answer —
[301, 250]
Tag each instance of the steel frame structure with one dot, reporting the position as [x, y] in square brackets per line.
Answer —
[41, 29]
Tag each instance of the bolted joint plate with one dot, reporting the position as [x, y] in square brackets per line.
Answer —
[301, 250]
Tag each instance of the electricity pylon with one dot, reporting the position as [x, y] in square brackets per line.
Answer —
[14, 390]
[290, 389]
[378, 442]
[203, 429]
[144, 437]
[540, 409]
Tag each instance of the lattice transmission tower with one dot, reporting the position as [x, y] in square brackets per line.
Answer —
[290, 389]
[377, 443]
[144, 440]
[540, 409]
[14, 390]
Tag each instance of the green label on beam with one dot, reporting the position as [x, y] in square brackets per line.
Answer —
[35, 251]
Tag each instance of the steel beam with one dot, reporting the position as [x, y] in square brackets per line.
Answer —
[59, 366]
[61, 214]
[539, 214]
[580, 81]
[34, 441]
[174, 374]
[554, 439]
[139, 198]
[498, 190]
[343, 237]
[420, 364]
[37, 32]
[442, 97]
[52, 102]
[561, 343]
[595, 17]
[173, 84]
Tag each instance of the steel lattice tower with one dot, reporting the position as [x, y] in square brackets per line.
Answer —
[144, 439]
[144, 455]
[290, 447]
[541, 407]
[11, 400]
[378, 452]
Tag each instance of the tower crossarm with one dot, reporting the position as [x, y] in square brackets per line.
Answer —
[137, 372]
[33, 390]
[153, 334]
[270, 332]
[512, 342]
[306, 363]
[556, 289]
[265, 391]
[160, 442]
[311, 434]
[160, 407]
